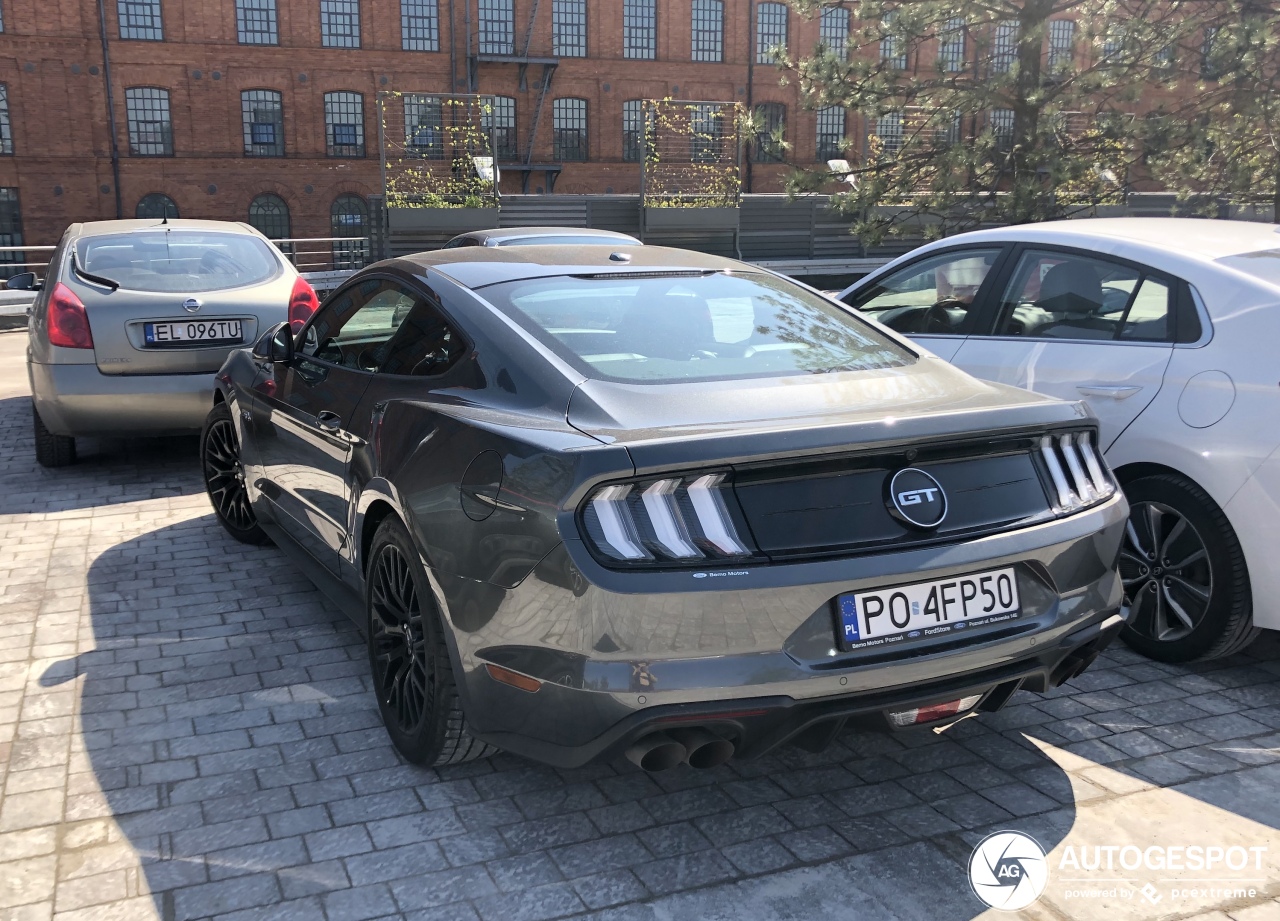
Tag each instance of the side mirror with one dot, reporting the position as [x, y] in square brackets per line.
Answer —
[23, 281]
[280, 343]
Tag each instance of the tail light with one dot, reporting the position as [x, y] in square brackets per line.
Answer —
[933, 712]
[302, 303]
[1080, 479]
[68, 322]
[671, 520]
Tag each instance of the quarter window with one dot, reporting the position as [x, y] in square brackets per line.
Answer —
[497, 27]
[344, 124]
[639, 29]
[420, 25]
[263, 115]
[377, 325]
[269, 215]
[1056, 295]
[933, 296]
[569, 122]
[771, 31]
[569, 28]
[257, 23]
[140, 19]
[340, 23]
[708, 30]
[150, 130]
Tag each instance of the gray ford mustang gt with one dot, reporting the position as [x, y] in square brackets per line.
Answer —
[587, 500]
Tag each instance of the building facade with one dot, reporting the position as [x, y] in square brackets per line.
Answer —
[267, 110]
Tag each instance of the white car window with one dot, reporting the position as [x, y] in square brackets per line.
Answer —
[1058, 295]
[931, 296]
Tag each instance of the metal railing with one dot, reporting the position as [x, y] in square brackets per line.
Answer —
[334, 254]
[7, 266]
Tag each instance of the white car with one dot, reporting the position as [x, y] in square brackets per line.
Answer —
[1169, 328]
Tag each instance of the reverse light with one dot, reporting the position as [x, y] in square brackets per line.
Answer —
[68, 322]
[1079, 477]
[674, 519]
[302, 303]
[917, 715]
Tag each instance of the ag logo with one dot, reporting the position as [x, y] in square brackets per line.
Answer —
[1008, 870]
[916, 498]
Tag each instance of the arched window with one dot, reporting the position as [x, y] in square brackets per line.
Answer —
[156, 205]
[270, 216]
[349, 217]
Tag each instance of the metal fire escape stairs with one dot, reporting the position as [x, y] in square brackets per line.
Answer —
[526, 167]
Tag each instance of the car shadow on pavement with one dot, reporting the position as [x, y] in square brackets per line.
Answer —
[231, 734]
[107, 471]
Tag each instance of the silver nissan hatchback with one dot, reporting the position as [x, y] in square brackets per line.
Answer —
[134, 318]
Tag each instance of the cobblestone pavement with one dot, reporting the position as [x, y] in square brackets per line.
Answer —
[187, 731]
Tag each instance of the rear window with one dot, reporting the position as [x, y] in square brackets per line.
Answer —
[667, 328]
[179, 260]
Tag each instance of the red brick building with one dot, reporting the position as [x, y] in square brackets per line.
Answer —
[220, 103]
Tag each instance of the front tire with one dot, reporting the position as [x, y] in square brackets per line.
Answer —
[1184, 574]
[224, 477]
[412, 674]
[51, 450]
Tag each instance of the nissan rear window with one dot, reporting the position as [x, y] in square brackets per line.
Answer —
[179, 260]
[663, 328]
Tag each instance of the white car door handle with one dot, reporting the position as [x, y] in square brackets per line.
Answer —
[1113, 391]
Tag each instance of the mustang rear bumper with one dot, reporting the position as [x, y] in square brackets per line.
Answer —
[755, 658]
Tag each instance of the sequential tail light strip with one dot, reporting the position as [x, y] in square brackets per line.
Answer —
[1079, 478]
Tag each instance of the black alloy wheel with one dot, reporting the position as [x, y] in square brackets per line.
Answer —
[409, 661]
[1184, 576]
[224, 477]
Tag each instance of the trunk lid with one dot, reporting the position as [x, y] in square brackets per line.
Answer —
[721, 422]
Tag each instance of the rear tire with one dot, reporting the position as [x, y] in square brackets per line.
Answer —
[51, 450]
[224, 477]
[409, 661]
[1184, 574]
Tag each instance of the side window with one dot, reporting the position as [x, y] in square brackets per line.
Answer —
[354, 328]
[423, 344]
[931, 296]
[1057, 295]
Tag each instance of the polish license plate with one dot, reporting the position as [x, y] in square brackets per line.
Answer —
[921, 610]
[215, 332]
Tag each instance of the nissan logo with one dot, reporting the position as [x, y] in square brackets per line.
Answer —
[916, 498]
[191, 304]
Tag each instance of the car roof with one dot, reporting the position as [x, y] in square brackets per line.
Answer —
[98, 228]
[475, 266]
[511, 233]
[1190, 248]
[1195, 238]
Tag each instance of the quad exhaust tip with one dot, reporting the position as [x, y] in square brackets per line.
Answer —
[697, 747]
